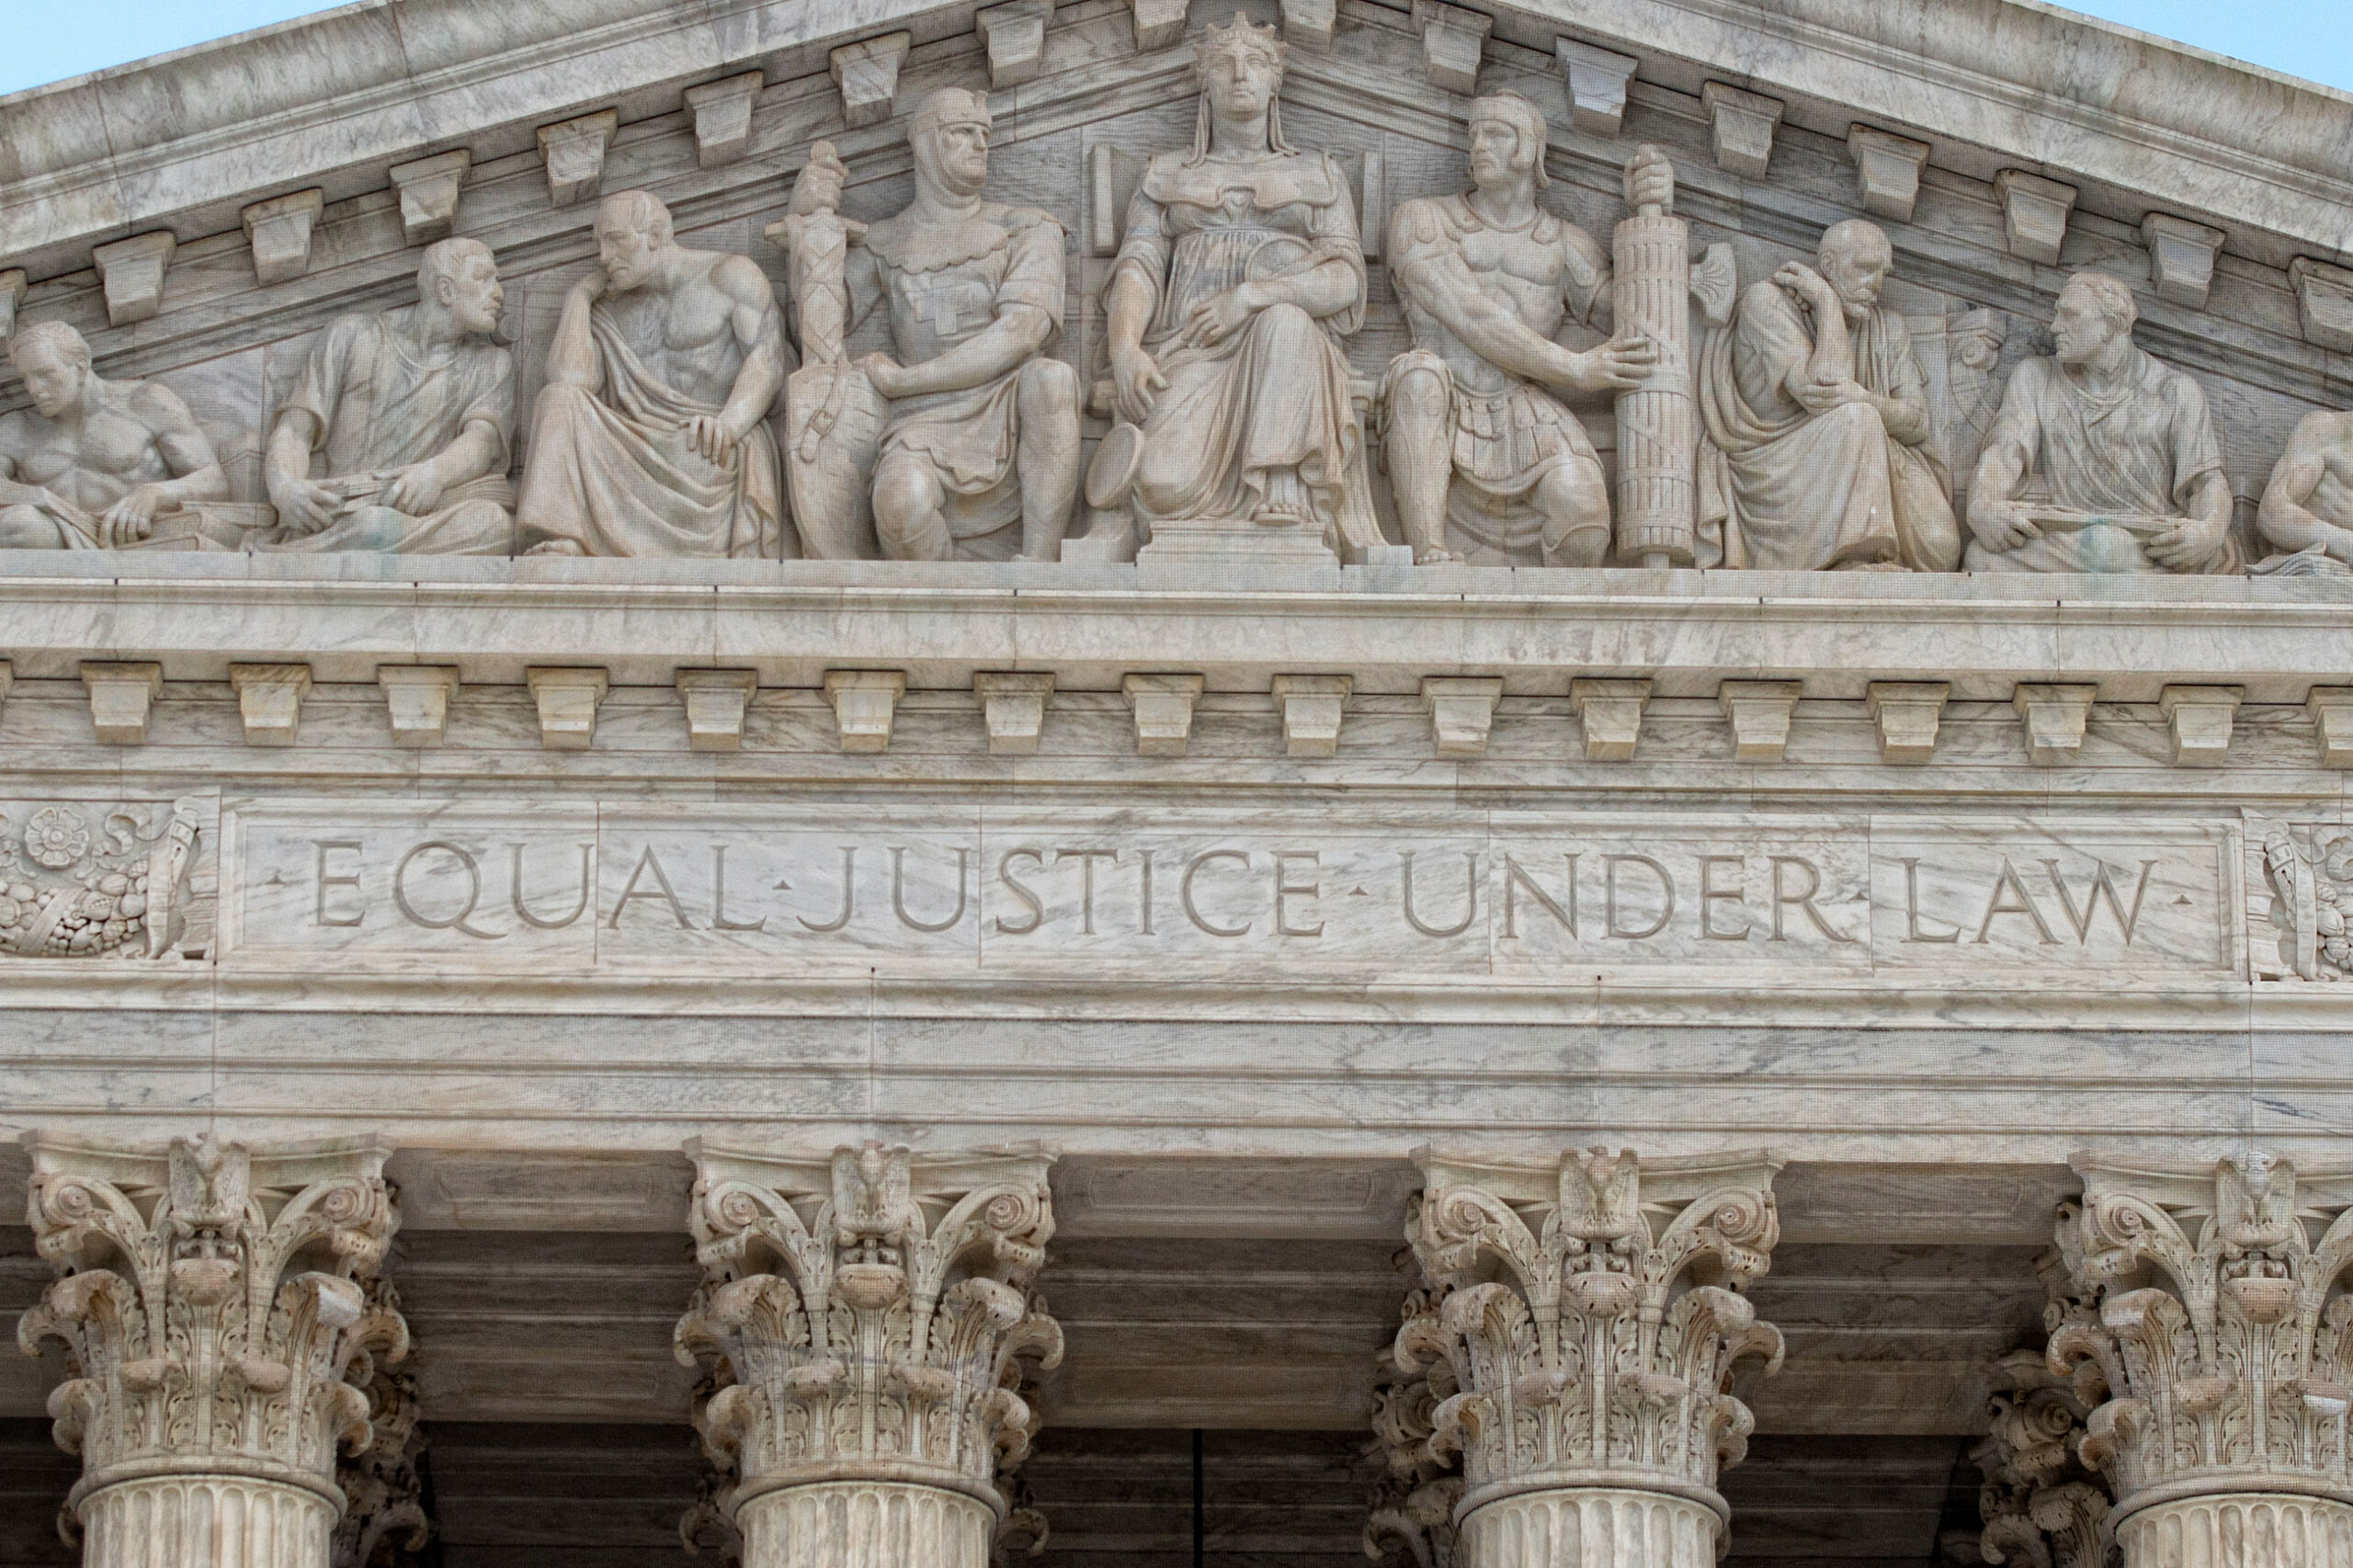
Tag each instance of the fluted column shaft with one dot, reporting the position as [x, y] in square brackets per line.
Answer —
[1578, 1338]
[215, 1308]
[866, 1323]
[2213, 1343]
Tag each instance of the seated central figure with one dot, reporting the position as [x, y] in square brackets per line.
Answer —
[1241, 271]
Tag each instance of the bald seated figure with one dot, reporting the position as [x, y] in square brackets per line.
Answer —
[652, 437]
[1818, 405]
[412, 410]
[94, 462]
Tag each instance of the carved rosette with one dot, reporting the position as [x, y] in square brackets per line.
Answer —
[2216, 1365]
[1589, 1316]
[2042, 1506]
[868, 1321]
[77, 882]
[220, 1336]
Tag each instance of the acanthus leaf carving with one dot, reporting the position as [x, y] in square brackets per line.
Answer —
[1588, 1317]
[2213, 1338]
[868, 1319]
[214, 1304]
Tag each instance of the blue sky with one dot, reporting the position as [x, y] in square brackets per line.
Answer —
[48, 40]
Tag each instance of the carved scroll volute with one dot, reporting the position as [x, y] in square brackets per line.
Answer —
[214, 1306]
[870, 1314]
[2217, 1358]
[1590, 1315]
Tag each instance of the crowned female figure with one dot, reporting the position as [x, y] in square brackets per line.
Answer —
[1240, 273]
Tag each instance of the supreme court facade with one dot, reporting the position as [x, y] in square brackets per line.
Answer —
[894, 785]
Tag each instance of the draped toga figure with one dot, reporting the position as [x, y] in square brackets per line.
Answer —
[1819, 452]
[652, 437]
[1241, 271]
[2103, 458]
[412, 409]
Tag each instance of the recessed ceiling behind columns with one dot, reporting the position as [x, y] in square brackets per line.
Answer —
[1232, 1294]
[1104, 1194]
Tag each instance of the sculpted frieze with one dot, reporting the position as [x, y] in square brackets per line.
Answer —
[1819, 452]
[977, 453]
[412, 410]
[651, 436]
[1360, 337]
[83, 881]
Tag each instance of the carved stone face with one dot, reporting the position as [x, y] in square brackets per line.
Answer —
[956, 156]
[2081, 329]
[53, 379]
[474, 296]
[1494, 153]
[629, 256]
[1857, 270]
[1240, 81]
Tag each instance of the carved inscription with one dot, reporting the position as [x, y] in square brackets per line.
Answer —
[1523, 896]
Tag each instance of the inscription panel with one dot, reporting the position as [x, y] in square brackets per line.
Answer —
[1300, 894]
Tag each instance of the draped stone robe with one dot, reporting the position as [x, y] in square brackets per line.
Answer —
[1275, 395]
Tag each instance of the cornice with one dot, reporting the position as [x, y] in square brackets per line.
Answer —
[333, 100]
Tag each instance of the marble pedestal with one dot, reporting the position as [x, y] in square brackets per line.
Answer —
[1195, 541]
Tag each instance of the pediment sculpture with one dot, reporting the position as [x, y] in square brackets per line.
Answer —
[1074, 336]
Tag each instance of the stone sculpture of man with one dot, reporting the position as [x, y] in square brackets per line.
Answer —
[984, 424]
[2102, 458]
[414, 409]
[1471, 436]
[1816, 409]
[2307, 511]
[652, 437]
[94, 462]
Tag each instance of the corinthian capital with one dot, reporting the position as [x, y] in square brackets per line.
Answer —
[2042, 1506]
[1589, 1314]
[215, 1311]
[868, 1319]
[2217, 1360]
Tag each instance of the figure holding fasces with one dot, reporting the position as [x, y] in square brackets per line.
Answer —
[2102, 460]
[978, 457]
[652, 437]
[1487, 462]
[1240, 272]
[94, 463]
[1819, 453]
[412, 409]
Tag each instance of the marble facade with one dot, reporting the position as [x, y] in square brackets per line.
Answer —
[904, 784]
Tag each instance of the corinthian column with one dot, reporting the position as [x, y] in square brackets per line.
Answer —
[2215, 1363]
[217, 1331]
[867, 1321]
[1585, 1321]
